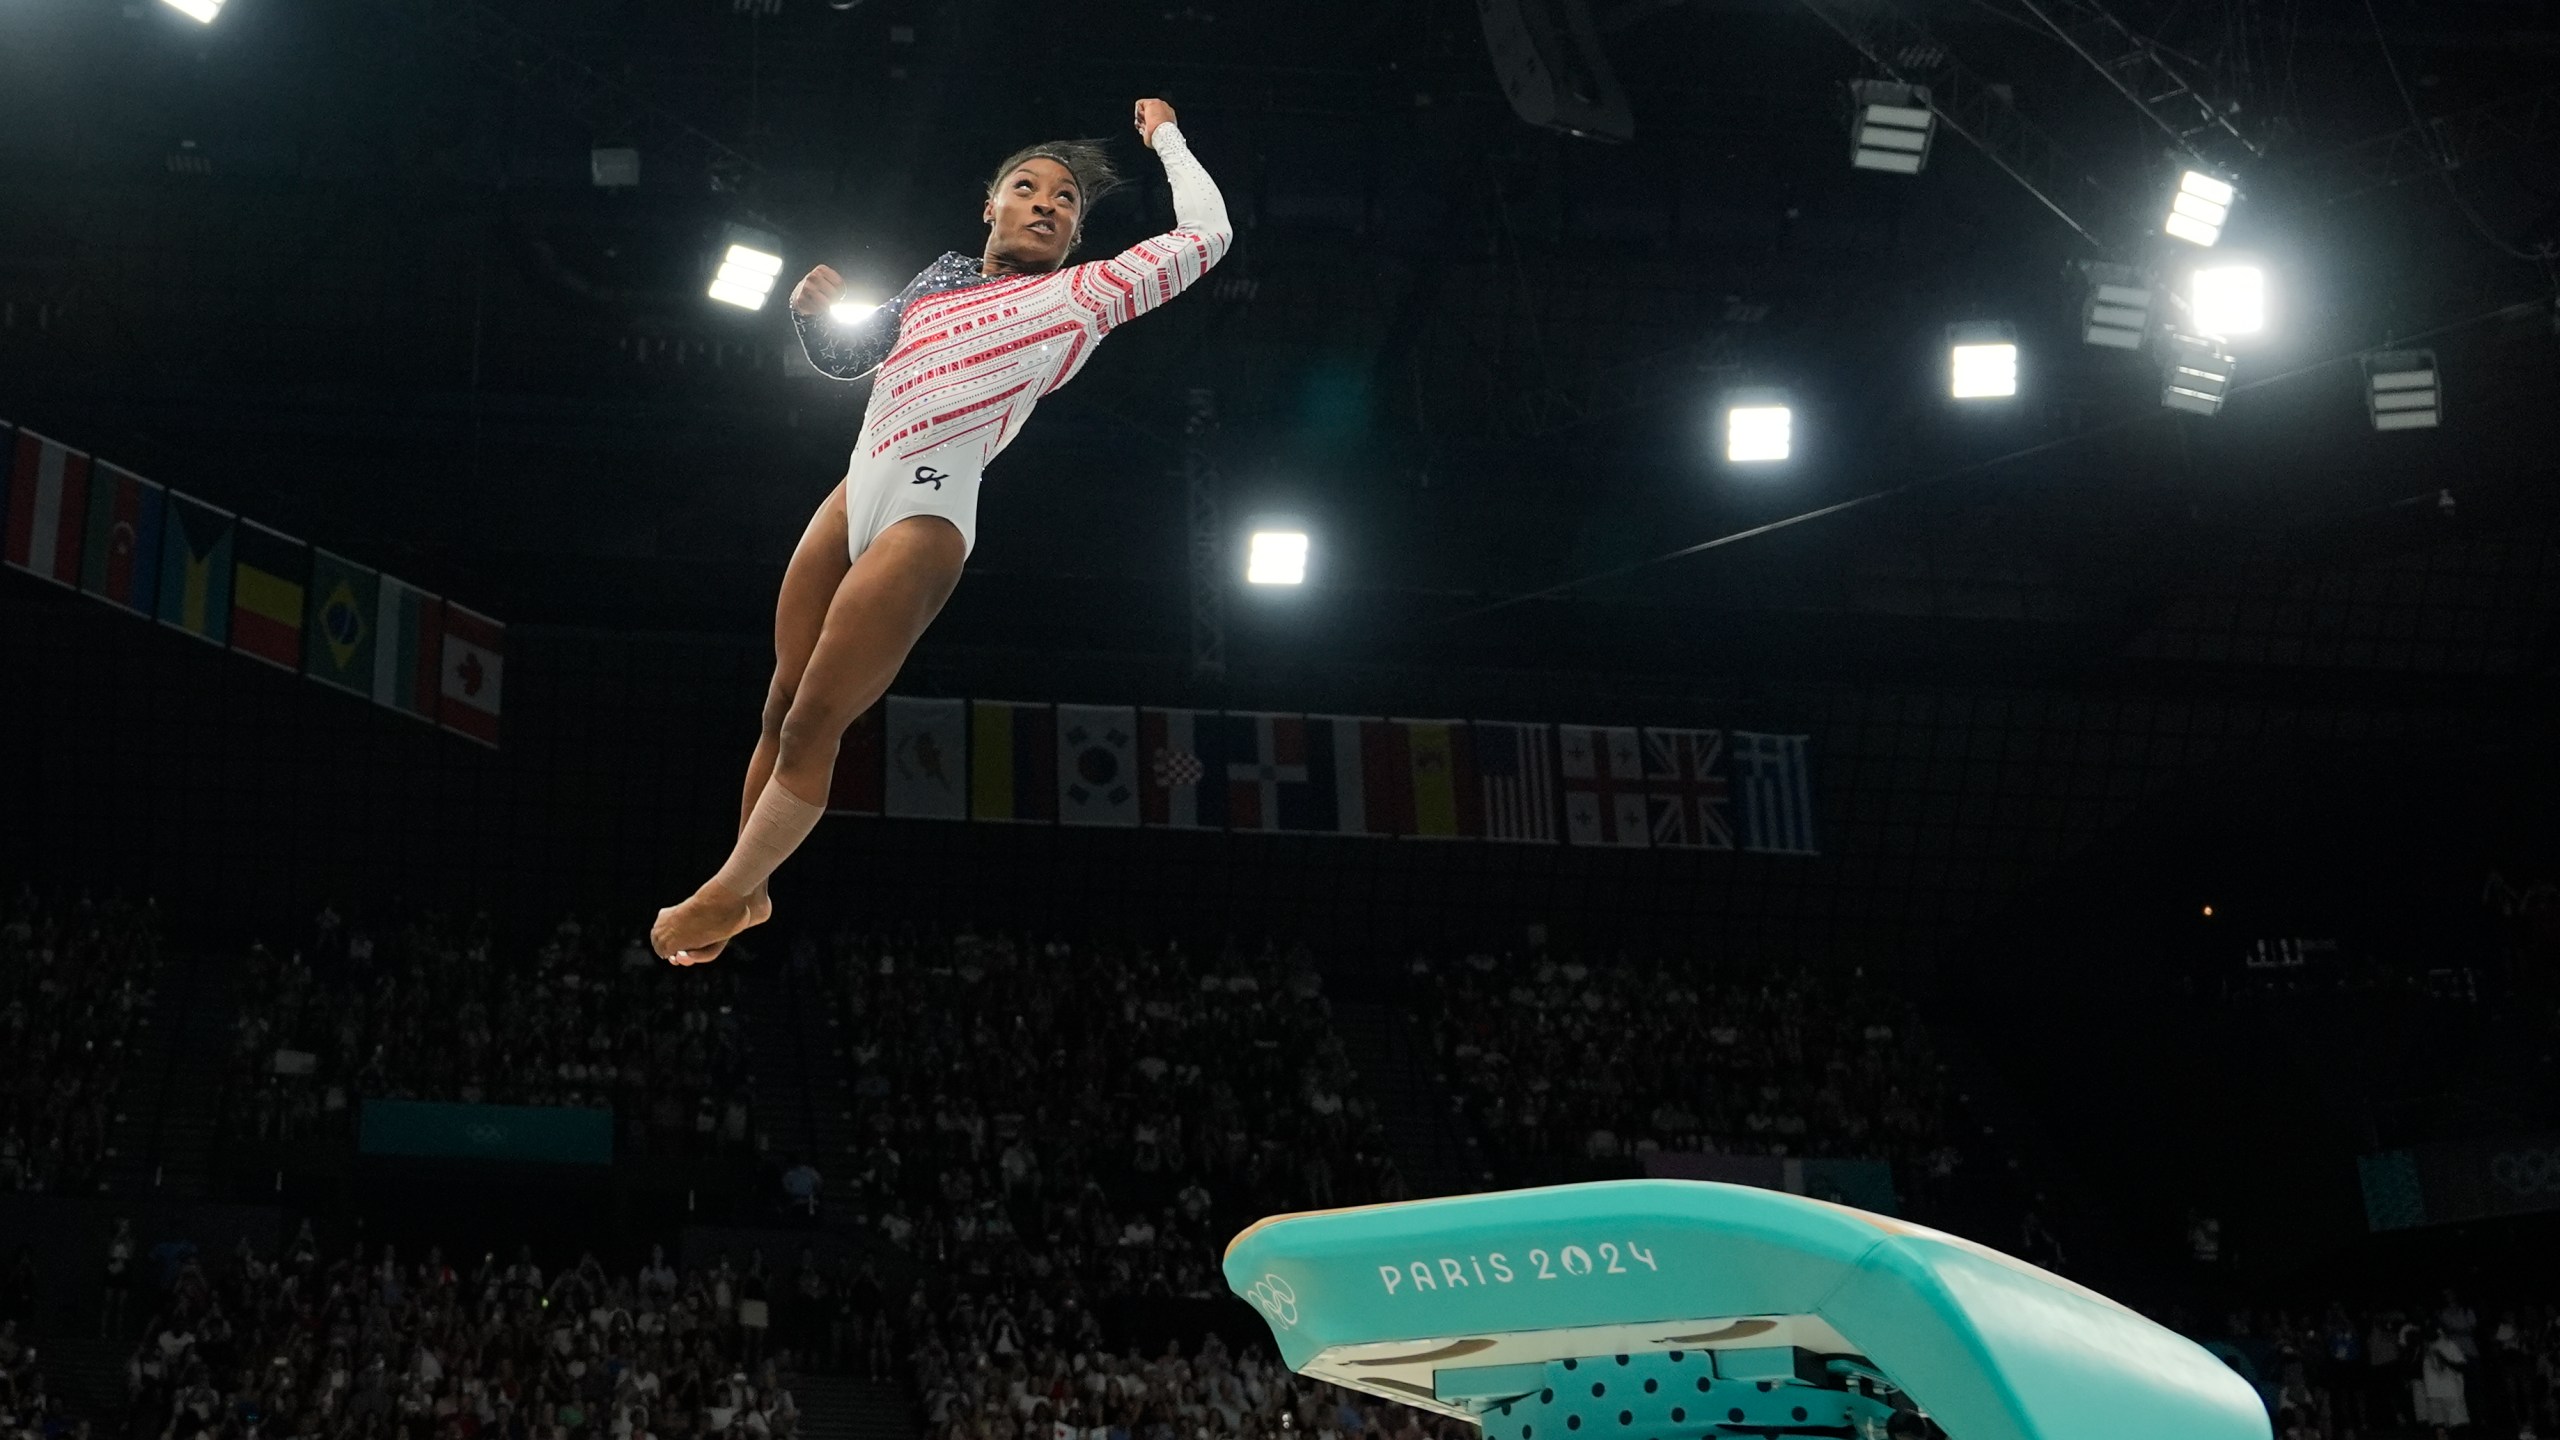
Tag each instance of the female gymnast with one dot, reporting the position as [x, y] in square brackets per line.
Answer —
[962, 353]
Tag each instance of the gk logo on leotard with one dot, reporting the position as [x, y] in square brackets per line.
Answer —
[927, 475]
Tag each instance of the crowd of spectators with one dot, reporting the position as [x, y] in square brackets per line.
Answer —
[372, 1345]
[2436, 1368]
[28, 1410]
[435, 1008]
[77, 977]
[1088, 1120]
[1564, 1069]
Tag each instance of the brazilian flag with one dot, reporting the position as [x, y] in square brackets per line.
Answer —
[338, 626]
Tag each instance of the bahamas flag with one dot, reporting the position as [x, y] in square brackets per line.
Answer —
[1013, 762]
[266, 595]
[121, 562]
[195, 568]
[340, 621]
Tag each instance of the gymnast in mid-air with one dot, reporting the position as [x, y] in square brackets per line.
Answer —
[962, 355]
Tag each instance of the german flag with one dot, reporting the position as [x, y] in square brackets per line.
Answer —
[266, 595]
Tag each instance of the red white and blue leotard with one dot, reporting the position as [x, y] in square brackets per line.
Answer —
[962, 358]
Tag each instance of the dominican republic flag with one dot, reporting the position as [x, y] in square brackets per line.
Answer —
[854, 788]
[1517, 766]
[1182, 769]
[1097, 765]
[121, 562]
[1604, 792]
[1777, 793]
[475, 669]
[1013, 762]
[1266, 758]
[1357, 783]
[1686, 792]
[1440, 780]
[48, 501]
[928, 759]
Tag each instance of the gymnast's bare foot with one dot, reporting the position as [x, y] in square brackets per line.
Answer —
[696, 931]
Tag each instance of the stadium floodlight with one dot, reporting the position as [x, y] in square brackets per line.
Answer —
[1891, 126]
[2195, 374]
[2227, 300]
[748, 268]
[200, 11]
[2400, 390]
[1982, 360]
[1758, 427]
[1276, 557]
[2199, 209]
[2117, 314]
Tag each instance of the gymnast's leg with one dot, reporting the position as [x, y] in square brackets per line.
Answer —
[880, 607]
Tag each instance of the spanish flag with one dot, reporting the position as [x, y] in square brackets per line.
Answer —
[266, 595]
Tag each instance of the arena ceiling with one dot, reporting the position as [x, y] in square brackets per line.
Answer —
[340, 264]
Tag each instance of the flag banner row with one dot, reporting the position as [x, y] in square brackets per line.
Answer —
[235, 584]
[1515, 782]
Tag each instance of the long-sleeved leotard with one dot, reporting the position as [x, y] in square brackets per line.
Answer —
[962, 358]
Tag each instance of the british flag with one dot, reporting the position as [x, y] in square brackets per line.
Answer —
[1686, 790]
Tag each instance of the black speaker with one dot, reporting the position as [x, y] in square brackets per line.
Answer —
[1547, 55]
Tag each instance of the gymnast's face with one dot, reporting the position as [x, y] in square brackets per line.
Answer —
[1033, 216]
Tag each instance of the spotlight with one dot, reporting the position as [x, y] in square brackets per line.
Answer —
[1276, 557]
[1757, 428]
[2227, 300]
[2196, 375]
[1891, 127]
[2118, 312]
[845, 312]
[1982, 361]
[2202, 204]
[748, 269]
[200, 11]
[2400, 390]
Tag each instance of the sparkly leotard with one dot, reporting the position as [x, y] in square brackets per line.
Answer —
[962, 357]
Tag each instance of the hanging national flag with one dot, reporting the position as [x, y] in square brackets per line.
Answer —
[266, 595]
[855, 787]
[195, 568]
[121, 562]
[48, 502]
[1777, 793]
[1097, 765]
[1441, 772]
[1266, 757]
[1356, 783]
[475, 671]
[928, 759]
[1517, 766]
[345, 601]
[1686, 791]
[408, 649]
[1013, 762]
[1182, 769]
[1604, 790]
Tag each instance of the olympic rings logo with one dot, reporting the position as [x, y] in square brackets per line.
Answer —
[2527, 1172]
[1276, 1299]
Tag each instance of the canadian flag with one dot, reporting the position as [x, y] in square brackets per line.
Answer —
[474, 667]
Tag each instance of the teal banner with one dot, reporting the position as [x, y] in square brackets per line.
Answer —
[554, 1135]
[2476, 1179]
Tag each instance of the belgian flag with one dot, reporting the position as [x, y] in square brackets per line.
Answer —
[266, 595]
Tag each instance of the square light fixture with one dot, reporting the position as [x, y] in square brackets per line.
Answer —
[1758, 430]
[2117, 314]
[2227, 300]
[2199, 210]
[1982, 361]
[2400, 390]
[2195, 374]
[1276, 557]
[748, 268]
[200, 11]
[1890, 127]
